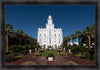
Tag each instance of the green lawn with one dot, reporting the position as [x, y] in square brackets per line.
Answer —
[46, 52]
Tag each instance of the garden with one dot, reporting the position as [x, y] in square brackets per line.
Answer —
[47, 52]
[19, 43]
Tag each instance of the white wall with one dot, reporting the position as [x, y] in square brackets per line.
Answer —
[74, 43]
[48, 33]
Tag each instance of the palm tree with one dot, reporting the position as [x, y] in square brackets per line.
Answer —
[69, 38]
[65, 40]
[19, 35]
[89, 32]
[73, 37]
[93, 31]
[9, 31]
[78, 34]
[25, 35]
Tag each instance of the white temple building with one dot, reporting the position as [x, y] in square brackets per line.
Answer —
[72, 43]
[50, 36]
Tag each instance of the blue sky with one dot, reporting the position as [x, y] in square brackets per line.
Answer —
[68, 17]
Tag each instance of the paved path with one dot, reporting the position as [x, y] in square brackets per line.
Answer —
[56, 61]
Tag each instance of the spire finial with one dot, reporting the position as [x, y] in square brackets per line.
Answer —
[49, 17]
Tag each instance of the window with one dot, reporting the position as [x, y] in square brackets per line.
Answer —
[44, 41]
[49, 33]
[40, 41]
[59, 40]
[59, 34]
[55, 35]
[49, 41]
[44, 34]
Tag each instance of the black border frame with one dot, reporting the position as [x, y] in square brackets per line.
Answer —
[33, 2]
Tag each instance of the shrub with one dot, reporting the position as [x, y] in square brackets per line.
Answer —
[46, 52]
[62, 54]
[37, 54]
[78, 55]
[87, 55]
[92, 54]
[9, 57]
[19, 56]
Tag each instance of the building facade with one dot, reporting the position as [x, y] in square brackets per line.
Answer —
[50, 36]
[76, 43]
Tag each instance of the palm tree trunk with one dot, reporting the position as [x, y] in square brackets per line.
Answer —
[89, 42]
[7, 43]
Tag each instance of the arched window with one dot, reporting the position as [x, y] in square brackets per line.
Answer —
[44, 41]
[49, 41]
[59, 34]
[59, 40]
[44, 34]
[49, 33]
[40, 41]
[55, 35]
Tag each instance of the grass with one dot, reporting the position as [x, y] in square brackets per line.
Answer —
[46, 52]
[78, 55]
[62, 54]
[19, 56]
[37, 54]
[70, 52]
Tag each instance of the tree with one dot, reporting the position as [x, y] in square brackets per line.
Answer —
[25, 37]
[65, 40]
[19, 35]
[89, 31]
[73, 37]
[78, 34]
[69, 38]
[93, 31]
[9, 31]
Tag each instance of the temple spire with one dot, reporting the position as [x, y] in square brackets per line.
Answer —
[49, 19]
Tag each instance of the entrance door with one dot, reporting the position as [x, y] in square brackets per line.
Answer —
[44, 46]
[55, 46]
